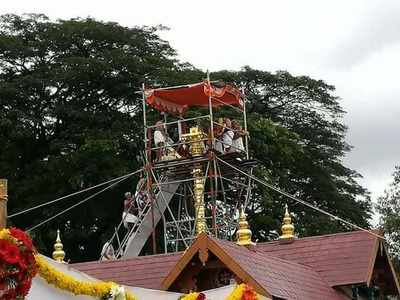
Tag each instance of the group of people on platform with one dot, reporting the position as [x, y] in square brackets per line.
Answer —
[228, 137]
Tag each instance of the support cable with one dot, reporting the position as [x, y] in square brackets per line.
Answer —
[70, 195]
[81, 202]
[276, 189]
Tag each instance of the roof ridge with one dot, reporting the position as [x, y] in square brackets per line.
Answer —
[315, 237]
[272, 260]
[266, 255]
[130, 258]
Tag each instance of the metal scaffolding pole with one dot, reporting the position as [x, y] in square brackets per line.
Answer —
[147, 143]
[246, 138]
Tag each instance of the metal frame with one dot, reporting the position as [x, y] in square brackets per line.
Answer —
[220, 191]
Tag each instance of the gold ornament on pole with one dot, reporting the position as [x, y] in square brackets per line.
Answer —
[287, 227]
[3, 203]
[195, 139]
[243, 235]
[58, 254]
[198, 192]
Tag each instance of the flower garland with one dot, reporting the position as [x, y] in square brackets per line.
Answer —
[101, 290]
[17, 264]
[243, 292]
[193, 296]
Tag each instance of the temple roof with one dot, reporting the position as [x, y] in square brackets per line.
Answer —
[307, 268]
[142, 271]
[341, 259]
[281, 278]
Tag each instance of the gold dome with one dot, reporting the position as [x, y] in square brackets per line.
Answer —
[58, 253]
[243, 235]
[287, 227]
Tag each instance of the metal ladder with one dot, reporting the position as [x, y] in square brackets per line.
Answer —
[134, 240]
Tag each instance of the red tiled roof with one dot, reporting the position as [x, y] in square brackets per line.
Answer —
[341, 259]
[307, 267]
[143, 271]
[281, 278]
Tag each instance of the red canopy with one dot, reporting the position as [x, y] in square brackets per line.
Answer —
[178, 99]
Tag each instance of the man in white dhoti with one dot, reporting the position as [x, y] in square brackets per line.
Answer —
[227, 136]
[129, 217]
[107, 253]
[237, 143]
[162, 140]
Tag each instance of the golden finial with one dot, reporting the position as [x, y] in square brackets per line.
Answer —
[287, 227]
[243, 235]
[58, 253]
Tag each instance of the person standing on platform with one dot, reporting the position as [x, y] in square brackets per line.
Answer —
[239, 133]
[227, 135]
[164, 142]
[129, 217]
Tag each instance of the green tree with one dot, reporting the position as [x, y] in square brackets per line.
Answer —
[70, 118]
[297, 134]
[388, 207]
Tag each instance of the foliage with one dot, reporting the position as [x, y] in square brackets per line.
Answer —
[70, 118]
[298, 136]
[388, 207]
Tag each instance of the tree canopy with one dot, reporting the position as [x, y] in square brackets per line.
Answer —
[388, 207]
[70, 118]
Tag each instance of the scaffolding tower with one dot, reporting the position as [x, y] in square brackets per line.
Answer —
[186, 188]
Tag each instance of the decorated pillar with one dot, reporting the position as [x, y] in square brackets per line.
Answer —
[196, 148]
[199, 206]
[3, 203]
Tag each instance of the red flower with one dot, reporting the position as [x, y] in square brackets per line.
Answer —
[10, 295]
[22, 236]
[3, 247]
[249, 293]
[23, 287]
[201, 296]
[11, 254]
[17, 262]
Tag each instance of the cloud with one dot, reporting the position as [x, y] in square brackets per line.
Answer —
[377, 28]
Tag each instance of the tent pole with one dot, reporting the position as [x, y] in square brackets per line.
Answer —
[211, 112]
[148, 163]
[246, 138]
[3, 203]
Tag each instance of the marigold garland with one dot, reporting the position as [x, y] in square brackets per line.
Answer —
[19, 265]
[243, 292]
[68, 283]
[193, 296]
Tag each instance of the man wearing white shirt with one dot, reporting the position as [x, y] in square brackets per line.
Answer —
[227, 136]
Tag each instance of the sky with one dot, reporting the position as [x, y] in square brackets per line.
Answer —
[353, 45]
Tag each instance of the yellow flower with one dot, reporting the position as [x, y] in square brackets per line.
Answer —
[72, 285]
[5, 235]
[237, 293]
[191, 296]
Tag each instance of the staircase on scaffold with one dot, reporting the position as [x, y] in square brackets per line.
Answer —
[136, 238]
